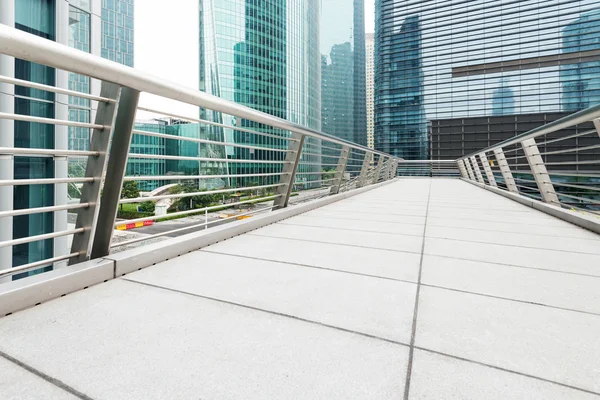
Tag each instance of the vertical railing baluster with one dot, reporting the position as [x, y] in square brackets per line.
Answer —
[341, 168]
[469, 169]
[538, 169]
[95, 168]
[292, 159]
[364, 171]
[477, 170]
[378, 169]
[487, 169]
[509, 181]
[462, 169]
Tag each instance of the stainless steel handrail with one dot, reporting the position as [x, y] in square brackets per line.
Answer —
[32, 48]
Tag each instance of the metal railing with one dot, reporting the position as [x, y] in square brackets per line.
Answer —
[428, 168]
[557, 163]
[229, 163]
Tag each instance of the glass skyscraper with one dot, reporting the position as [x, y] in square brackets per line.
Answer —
[446, 63]
[262, 54]
[343, 76]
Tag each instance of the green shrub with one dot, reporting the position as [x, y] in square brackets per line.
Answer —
[147, 207]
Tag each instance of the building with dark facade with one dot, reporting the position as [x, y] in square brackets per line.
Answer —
[455, 63]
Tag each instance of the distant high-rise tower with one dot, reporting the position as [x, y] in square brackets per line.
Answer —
[581, 81]
[370, 69]
[343, 87]
[400, 123]
[503, 102]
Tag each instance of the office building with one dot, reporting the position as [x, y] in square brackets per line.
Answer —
[370, 73]
[87, 25]
[343, 87]
[263, 54]
[444, 69]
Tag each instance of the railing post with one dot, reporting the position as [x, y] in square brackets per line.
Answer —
[378, 169]
[115, 171]
[362, 178]
[509, 181]
[339, 172]
[597, 125]
[462, 169]
[538, 169]
[469, 169]
[388, 170]
[394, 172]
[95, 168]
[488, 170]
[477, 170]
[292, 159]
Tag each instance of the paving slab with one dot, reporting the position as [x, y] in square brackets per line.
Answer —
[125, 340]
[579, 263]
[557, 345]
[575, 245]
[367, 215]
[357, 225]
[556, 289]
[354, 238]
[362, 260]
[566, 230]
[16, 383]
[436, 376]
[374, 306]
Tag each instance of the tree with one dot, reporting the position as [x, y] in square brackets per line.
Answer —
[129, 190]
[328, 174]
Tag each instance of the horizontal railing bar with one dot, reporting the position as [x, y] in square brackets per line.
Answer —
[205, 141]
[306, 153]
[48, 181]
[185, 228]
[195, 210]
[38, 210]
[207, 122]
[34, 265]
[582, 174]
[29, 47]
[50, 121]
[333, 148]
[313, 173]
[181, 195]
[577, 118]
[426, 161]
[566, 137]
[37, 238]
[296, 183]
[54, 89]
[224, 160]
[317, 164]
[572, 163]
[46, 152]
[571, 150]
[595, 188]
[196, 177]
[591, 201]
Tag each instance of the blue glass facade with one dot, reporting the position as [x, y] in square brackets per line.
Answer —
[262, 54]
[117, 31]
[38, 18]
[447, 59]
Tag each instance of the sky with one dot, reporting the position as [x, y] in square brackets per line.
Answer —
[167, 46]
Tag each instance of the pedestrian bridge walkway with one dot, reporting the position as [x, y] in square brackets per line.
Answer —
[418, 289]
